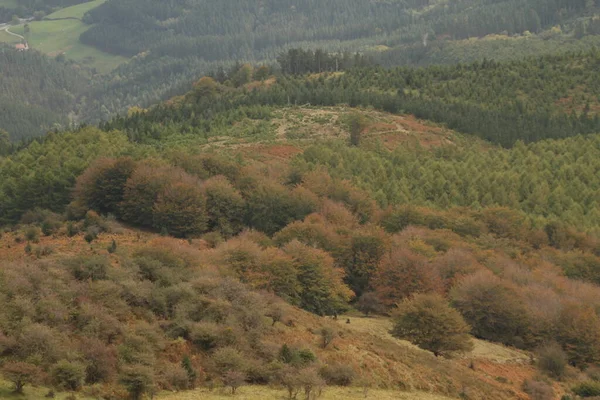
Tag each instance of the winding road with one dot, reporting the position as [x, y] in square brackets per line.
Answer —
[4, 27]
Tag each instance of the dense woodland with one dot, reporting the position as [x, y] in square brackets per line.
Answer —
[38, 93]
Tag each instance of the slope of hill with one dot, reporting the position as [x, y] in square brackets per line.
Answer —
[204, 241]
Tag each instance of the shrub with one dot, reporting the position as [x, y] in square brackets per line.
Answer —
[175, 377]
[296, 357]
[552, 360]
[538, 390]
[68, 375]
[91, 234]
[50, 226]
[327, 334]
[192, 374]
[428, 321]
[229, 359]
[113, 247]
[32, 234]
[587, 389]
[338, 374]
[94, 267]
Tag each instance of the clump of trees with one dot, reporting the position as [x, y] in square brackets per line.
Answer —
[428, 321]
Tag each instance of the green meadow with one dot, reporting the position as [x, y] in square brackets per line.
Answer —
[56, 37]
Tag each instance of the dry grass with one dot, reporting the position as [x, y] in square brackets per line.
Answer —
[265, 393]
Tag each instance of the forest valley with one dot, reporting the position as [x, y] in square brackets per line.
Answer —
[224, 237]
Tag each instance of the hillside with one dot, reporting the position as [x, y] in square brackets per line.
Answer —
[207, 242]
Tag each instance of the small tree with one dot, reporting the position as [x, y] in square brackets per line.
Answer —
[428, 321]
[186, 363]
[276, 313]
[311, 382]
[356, 125]
[369, 303]
[327, 333]
[138, 379]
[113, 247]
[21, 374]
[234, 379]
[68, 375]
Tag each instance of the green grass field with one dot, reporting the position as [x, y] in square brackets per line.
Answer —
[6, 38]
[56, 37]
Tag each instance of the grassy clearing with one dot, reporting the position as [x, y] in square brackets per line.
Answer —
[76, 11]
[10, 39]
[56, 37]
[330, 393]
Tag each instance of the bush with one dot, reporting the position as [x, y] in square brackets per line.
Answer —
[338, 374]
[68, 375]
[229, 359]
[32, 234]
[587, 389]
[552, 360]
[175, 377]
[327, 333]
[538, 390]
[94, 268]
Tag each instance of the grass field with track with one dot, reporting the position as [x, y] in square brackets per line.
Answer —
[62, 36]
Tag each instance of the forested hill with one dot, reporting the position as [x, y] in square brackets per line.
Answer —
[173, 43]
[240, 29]
[170, 44]
[529, 100]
